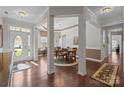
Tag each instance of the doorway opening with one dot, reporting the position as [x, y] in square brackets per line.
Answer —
[65, 40]
[116, 43]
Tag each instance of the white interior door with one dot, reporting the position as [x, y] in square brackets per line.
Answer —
[19, 45]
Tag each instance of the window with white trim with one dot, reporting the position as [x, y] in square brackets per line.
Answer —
[19, 29]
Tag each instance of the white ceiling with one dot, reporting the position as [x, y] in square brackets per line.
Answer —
[33, 12]
[102, 18]
[61, 22]
[116, 27]
[115, 13]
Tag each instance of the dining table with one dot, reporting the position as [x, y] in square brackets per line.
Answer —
[65, 54]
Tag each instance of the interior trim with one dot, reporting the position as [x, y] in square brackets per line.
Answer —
[69, 27]
[92, 59]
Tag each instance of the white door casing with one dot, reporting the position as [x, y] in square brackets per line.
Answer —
[24, 36]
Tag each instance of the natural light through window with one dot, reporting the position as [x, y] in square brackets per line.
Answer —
[19, 29]
[18, 46]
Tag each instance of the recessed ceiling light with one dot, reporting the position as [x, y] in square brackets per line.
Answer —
[106, 10]
[59, 24]
[5, 12]
[21, 13]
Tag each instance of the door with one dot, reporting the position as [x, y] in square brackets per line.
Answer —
[20, 45]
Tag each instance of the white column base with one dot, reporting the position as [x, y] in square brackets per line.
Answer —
[82, 74]
[82, 68]
[50, 72]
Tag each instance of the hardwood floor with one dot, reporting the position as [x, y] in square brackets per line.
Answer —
[65, 76]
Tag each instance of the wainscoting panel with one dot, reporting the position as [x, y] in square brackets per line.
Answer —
[93, 53]
[43, 33]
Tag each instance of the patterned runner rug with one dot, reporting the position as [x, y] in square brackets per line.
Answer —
[106, 74]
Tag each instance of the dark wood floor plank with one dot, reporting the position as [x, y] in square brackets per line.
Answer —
[66, 76]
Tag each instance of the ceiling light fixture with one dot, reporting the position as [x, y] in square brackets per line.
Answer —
[21, 13]
[6, 12]
[106, 10]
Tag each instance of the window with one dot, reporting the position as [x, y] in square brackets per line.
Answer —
[18, 46]
[19, 29]
[43, 42]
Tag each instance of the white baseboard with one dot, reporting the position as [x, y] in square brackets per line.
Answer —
[92, 59]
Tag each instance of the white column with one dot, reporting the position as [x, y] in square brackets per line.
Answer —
[35, 39]
[50, 26]
[6, 37]
[109, 41]
[107, 46]
[102, 44]
[82, 44]
[39, 39]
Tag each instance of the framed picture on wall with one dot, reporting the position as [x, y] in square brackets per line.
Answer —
[75, 40]
[1, 36]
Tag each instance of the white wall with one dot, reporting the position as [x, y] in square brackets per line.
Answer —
[93, 36]
[92, 18]
[70, 34]
[69, 31]
[1, 22]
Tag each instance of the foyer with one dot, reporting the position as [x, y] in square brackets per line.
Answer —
[60, 46]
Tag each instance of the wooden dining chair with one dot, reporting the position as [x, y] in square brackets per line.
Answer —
[63, 54]
[72, 55]
[56, 51]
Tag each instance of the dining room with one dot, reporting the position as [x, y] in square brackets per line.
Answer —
[65, 41]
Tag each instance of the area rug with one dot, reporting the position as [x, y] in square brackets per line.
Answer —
[63, 63]
[106, 74]
[21, 66]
